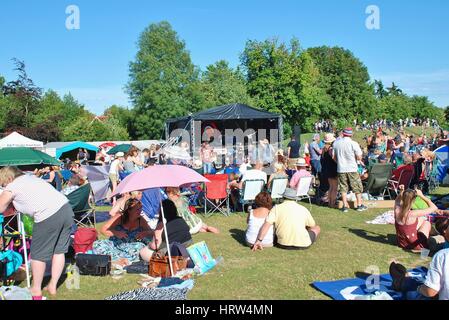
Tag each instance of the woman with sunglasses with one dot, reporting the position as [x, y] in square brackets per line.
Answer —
[412, 227]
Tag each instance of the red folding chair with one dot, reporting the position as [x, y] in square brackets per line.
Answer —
[216, 195]
[405, 178]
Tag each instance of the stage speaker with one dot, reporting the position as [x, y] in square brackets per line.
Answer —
[297, 134]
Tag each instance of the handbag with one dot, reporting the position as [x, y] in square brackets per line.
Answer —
[84, 240]
[160, 267]
[93, 264]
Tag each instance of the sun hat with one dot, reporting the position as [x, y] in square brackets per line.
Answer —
[119, 154]
[280, 152]
[347, 132]
[329, 138]
[301, 163]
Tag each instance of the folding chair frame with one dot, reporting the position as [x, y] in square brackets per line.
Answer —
[216, 207]
[242, 192]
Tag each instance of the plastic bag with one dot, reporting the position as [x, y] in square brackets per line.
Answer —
[15, 293]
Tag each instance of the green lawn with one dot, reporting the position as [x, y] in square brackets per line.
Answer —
[347, 246]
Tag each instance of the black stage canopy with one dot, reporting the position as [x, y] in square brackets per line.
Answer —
[232, 116]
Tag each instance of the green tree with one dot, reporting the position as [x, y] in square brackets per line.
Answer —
[89, 128]
[222, 85]
[284, 79]
[346, 81]
[380, 89]
[394, 90]
[163, 80]
[123, 115]
[23, 96]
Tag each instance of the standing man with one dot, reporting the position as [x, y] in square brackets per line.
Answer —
[293, 152]
[315, 155]
[346, 153]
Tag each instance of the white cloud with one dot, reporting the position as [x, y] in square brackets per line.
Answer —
[98, 99]
[433, 84]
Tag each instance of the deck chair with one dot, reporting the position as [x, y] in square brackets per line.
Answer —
[405, 178]
[216, 195]
[302, 191]
[379, 175]
[251, 188]
[80, 200]
[278, 187]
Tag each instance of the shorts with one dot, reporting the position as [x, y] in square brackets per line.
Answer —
[52, 236]
[312, 236]
[113, 177]
[350, 179]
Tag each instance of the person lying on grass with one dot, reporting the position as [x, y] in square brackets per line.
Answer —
[182, 204]
[412, 226]
[294, 226]
[437, 279]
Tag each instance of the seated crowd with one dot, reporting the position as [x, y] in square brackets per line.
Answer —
[335, 166]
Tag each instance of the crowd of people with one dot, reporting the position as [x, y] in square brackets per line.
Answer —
[328, 126]
[336, 164]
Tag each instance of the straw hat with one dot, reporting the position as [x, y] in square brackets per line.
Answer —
[301, 163]
[329, 138]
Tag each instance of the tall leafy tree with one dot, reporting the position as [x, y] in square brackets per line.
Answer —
[380, 89]
[23, 95]
[222, 85]
[283, 79]
[163, 80]
[346, 81]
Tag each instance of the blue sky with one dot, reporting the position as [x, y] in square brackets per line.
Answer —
[411, 47]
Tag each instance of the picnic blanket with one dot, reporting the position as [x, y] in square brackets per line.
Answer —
[384, 218]
[361, 289]
[152, 294]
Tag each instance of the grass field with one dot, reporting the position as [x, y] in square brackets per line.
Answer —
[347, 246]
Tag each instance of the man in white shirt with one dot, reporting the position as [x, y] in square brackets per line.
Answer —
[346, 153]
[255, 174]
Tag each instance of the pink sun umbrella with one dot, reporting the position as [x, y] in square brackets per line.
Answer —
[159, 177]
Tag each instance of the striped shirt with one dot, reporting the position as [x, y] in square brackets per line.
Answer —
[35, 197]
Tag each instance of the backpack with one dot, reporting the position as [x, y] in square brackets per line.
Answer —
[10, 262]
[84, 240]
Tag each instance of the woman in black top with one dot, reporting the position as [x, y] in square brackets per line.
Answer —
[329, 169]
[177, 229]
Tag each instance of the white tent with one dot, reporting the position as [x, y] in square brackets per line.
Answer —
[16, 140]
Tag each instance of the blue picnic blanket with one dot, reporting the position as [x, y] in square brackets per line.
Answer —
[347, 289]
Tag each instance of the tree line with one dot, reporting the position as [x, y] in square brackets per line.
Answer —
[304, 85]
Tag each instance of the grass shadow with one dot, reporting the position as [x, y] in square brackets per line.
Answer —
[389, 239]
[239, 236]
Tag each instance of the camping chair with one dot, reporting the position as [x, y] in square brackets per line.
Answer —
[303, 189]
[80, 200]
[405, 179]
[13, 233]
[216, 194]
[278, 187]
[378, 178]
[251, 188]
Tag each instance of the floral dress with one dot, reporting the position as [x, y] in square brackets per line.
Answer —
[127, 248]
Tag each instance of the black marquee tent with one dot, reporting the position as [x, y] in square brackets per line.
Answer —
[222, 118]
